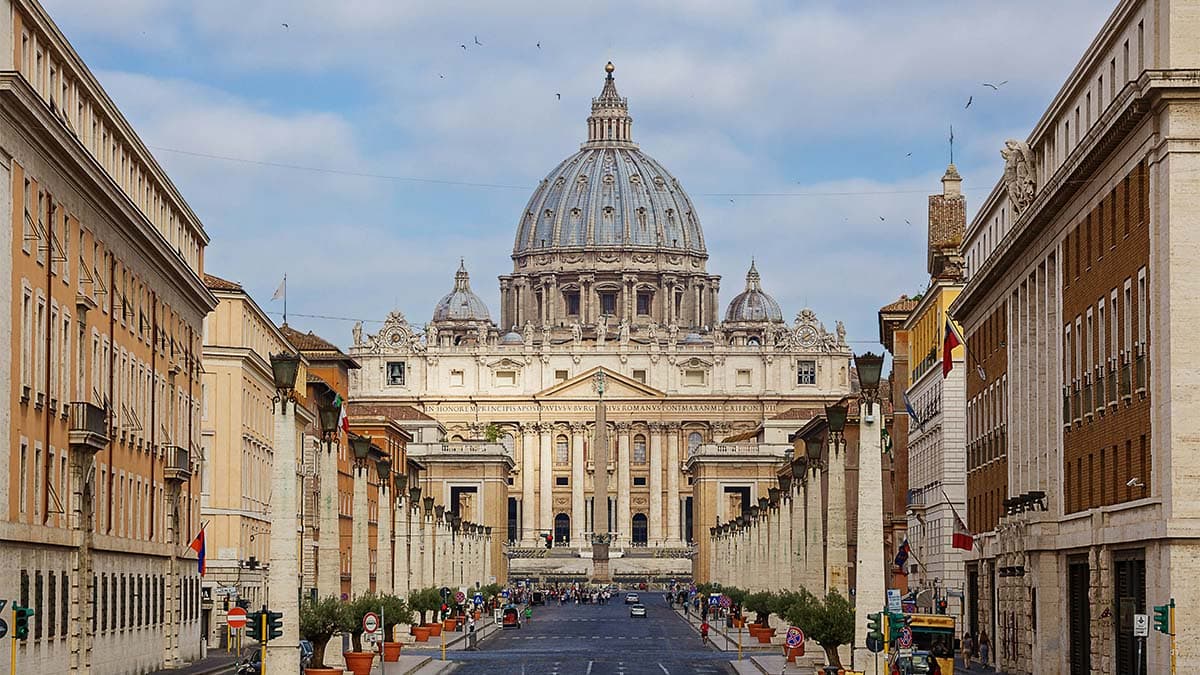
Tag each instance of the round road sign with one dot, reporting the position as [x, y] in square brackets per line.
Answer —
[370, 622]
[236, 618]
[906, 638]
[460, 598]
[726, 601]
[795, 637]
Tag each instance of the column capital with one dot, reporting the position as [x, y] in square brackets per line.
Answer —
[624, 427]
[578, 427]
[656, 427]
[543, 427]
[527, 427]
[672, 427]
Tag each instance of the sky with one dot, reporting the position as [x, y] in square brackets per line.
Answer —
[362, 147]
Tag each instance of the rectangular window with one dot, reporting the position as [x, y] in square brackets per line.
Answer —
[26, 343]
[639, 481]
[28, 233]
[24, 476]
[1128, 301]
[640, 376]
[51, 605]
[562, 450]
[395, 373]
[639, 449]
[1143, 309]
[806, 372]
[693, 378]
[38, 607]
[743, 378]
[572, 298]
[506, 378]
[608, 303]
[562, 481]
[643, 303]
[560, 375]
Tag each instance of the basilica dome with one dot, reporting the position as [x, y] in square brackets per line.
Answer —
[753, 304]
[461, 304]
[609, 195]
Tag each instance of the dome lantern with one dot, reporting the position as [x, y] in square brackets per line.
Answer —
[609, 125]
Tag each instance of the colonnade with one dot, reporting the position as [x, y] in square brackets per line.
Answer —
[434, 547]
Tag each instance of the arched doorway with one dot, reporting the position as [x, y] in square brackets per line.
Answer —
[639, 529]
[562, 528]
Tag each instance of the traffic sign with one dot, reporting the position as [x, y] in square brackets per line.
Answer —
[795, 637]
[893, 599]
[504, 593]
[370, 622]
[236, 618]
[726, 601]
[225, 590]
[906, 638]
[460, 598]
[1141, 625]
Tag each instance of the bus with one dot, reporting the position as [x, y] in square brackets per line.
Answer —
[934, 633]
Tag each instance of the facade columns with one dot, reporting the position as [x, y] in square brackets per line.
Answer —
[428, 541]
[656, 485]
[383, 540]
[673, 538]
[546, 480]
[329, 554]
[416, 546]
[400, 580]
[528, 462]
[360, 553]
[578, 518]
[624, 525]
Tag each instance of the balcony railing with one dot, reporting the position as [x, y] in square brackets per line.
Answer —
[1101, 392]
[459, 448]
[1126, 391]
[1087, 400]
[1066, 406]
[179, 463]
[88, 427]
[1139, 364]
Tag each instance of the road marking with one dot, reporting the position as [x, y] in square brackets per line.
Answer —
[589, 670]
[664, 669]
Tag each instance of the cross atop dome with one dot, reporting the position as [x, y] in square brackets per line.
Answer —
[609, 124]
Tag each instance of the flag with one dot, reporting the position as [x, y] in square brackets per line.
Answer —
[343, 420]
[963, 539]
[197, 545]
[902, 554]
[282, 290]
[912, 414]
[952, 340]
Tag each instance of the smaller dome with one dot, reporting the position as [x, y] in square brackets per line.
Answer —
[461, 304]
[693, 339]
[753, 304]
[512, 337]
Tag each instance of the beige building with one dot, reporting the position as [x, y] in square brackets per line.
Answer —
[238, 440]
[99, 494]
[608, 274]
[1081, 306]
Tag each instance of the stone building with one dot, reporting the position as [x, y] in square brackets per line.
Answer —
[1080, 305]
[101, 330]
[895, 339]
[609, 274]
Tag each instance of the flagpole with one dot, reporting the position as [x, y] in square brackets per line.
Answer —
[970, 355]
[974, 539]
[285, 298]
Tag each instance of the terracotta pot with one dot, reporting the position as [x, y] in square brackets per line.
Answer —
[391, 651]
[322, 671]
[435, 629]
[764, 636]
[359, 663]
[794, 652]
[421, 633]
[449, 624]
[738, 623]
[478, 614]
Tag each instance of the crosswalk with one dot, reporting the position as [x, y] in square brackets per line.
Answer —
[501, 638]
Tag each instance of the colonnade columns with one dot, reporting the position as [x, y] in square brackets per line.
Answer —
[836, 578]
[360, 554]
[400, 580]
[428, 541]
[416, 545]
[329, 556]
[624, 525]
[797, 562]
[782, 550]
[384, 582]
[673, 538]
[814, 537]
[656, 486]
[528, 462]
[577, 472]
[546, 481]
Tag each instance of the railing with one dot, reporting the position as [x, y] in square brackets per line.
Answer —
[459, 448]
[775, 450]
[1101, 392]
[1087, 399]
[179, 463]
[88, 426]
[1126, 391]
[1140, 368]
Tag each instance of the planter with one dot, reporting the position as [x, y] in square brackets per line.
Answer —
[421, 633]
[359, 663]
[449, 624]
[794, 652]
[738, 623]
[322, 671]
[391, 651]
[764, 635]
[478, 614]
[435, 629]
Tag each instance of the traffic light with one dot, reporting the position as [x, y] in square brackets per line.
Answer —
[896, 623]
[549, 540]
[941, 606]
[875, 626]
[22, 615]
[254, 625]
[1163, 618]
[274, 625]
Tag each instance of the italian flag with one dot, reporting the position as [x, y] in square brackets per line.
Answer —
[343, 421]
[963, 539]
[953, 339]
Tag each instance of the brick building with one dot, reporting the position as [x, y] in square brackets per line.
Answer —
[1081, 309]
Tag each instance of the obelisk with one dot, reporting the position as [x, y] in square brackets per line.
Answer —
[600, 534]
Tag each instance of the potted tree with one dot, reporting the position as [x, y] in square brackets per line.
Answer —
[319, 620]
[830, 622]
[418, 602]
[737, 597]
[358, 661]
[762, 603]
[394, 611]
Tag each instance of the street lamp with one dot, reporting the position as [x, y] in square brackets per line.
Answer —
[384, 468]
[835, 416]
[401, 482]
[361, 445]
[870, 368]
[812, 449]
[284, 367]
[329, 415]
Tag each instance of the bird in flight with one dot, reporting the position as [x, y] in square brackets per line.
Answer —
[464, 47]
[909, 155]
[969, 99]
[477, 41]
[539, 45]
[906, 221]
[559, 96]
[995, 87]
[285, 25]
[441, 76]
[881, 219]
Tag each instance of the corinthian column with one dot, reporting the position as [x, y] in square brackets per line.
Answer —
[656, 485]
[624, 526]
[546, 482]
[577, 472]
[673, 485]
[528, 464]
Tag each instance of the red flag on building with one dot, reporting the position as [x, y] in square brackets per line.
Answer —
[963, 539]
[951, 340]
[197, 545]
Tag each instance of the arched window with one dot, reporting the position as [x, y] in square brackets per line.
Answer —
[753, 341]
[456, 439]
[508, 442]
[639, 449]
[694, 441]
[562, 450]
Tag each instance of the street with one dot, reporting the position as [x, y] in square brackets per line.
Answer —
[596, 640]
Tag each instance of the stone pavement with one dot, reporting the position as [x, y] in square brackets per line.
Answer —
[217, 663]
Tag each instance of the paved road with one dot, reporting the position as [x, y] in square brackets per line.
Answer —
[596, 640]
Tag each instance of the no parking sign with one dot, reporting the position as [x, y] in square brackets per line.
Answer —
[795, 637]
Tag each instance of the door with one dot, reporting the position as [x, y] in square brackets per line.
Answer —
[639, 529]
[1079, 619]
[562, 528]
[1129, 570]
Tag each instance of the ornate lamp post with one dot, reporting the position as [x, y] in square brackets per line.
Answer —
[361, 447]
[283, 654]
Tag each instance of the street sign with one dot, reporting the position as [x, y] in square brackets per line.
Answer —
[460, 598]
[370, 622]
[225, 590]
[904, 653]
[236, 618]
[795, 637]
[906, 638]
[893, 600]
[1141, 625]
[726, 601]
[504, 593]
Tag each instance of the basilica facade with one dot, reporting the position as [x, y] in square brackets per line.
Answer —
[609, 275]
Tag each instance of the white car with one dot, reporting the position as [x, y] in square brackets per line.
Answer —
[631, 598]
[637, 610]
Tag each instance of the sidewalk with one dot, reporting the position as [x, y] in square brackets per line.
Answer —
[725, 641]
[218, 663]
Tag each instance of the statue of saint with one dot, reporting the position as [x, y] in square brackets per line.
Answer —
[601, 329]
[357, 333]
[576, 333]
[624, 332]
[841, 334]
[528, 334]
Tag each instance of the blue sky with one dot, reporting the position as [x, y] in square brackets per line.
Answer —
[757, 98]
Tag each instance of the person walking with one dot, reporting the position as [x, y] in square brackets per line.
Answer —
[528, 614]
[968, 646]
[984, 647]
[704, 633]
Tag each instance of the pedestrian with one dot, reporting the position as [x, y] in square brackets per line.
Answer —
[704, 633]
[528, 614]
[984, 647]
[968, 646]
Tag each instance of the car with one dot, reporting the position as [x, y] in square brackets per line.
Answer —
[631, 598]
[512, 617]
[537, 598]
[637, 610]
[920, 663]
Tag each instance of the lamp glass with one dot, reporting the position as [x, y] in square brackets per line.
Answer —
[329, 415]
[361, 445]
[813, 447]
[284, 368]
[870, 368]
[384, 467]
[835, 415]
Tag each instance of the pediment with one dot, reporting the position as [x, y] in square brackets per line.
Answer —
[617, 386]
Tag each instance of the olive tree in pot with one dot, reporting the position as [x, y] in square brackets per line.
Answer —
[358, 660]
[828, 621]
[393, 612]
[319, 620]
